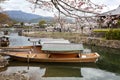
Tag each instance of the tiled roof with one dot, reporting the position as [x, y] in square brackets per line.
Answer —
[112, 12]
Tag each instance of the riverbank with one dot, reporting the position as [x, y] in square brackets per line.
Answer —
[77, 38]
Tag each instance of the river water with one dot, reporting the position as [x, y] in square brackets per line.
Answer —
[106, 68]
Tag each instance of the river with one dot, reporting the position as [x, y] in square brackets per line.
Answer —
[106, 68]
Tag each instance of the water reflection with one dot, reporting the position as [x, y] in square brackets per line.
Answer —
[49, 69]
[55, 71]
[97, 74]
[109, 58]
[107, 67]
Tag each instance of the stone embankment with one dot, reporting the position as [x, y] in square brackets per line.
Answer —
[99, 42]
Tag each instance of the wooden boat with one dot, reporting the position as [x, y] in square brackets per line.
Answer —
[52, 53]
[5, 32]
[4, 41]
[20, 33]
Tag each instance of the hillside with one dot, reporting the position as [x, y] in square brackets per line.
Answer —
[25, 17]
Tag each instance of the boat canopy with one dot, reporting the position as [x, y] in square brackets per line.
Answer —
[62, 47]
[48, 40]
[54, 41]
[39, 39]
[51, 39]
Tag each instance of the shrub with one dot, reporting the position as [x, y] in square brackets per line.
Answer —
[113, 34]
[110, 34]
[100, 32]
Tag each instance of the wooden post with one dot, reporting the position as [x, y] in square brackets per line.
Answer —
[28, 60]
[79, 54]
[34, 46]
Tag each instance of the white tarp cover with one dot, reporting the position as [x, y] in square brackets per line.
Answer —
[62, 47]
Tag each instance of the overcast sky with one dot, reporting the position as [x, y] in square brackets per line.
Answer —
[23, 5]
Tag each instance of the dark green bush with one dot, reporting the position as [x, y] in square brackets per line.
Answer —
[100, 32]
[113, 34]
[110, 34]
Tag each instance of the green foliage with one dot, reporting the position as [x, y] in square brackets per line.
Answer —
[113, 34]
[101, 30]
[42, 23]
[110, 34]
[22, 24]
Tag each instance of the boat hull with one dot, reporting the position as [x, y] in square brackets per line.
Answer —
[68, 60]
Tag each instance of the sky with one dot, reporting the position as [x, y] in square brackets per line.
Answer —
[25, 6]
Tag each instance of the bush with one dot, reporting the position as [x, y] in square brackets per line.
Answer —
[110, 34]
[113, 34]
[100, 32]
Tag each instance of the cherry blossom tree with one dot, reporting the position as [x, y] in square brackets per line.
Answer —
[60, 20]
[71, 8]
[80, 10]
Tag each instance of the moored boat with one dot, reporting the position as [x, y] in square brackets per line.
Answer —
[5, 32]
[50, 52]
[4, 41]
[20, 33]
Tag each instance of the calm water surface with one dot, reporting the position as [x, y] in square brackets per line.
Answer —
[106, 68]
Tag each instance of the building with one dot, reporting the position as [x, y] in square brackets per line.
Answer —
[111, 18]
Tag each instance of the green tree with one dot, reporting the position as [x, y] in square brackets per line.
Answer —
[42, 23]
[22, 24]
